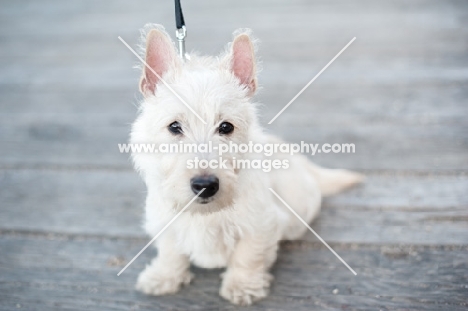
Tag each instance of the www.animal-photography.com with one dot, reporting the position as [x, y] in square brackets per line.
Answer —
[224, 155]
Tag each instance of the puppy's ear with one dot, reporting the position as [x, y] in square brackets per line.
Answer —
[161, 56]
[243, 62]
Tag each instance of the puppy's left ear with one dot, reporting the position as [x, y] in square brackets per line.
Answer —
[242, 62]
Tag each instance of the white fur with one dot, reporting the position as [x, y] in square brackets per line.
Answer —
[240, 229]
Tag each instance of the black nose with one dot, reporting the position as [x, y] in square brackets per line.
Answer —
[210, 183]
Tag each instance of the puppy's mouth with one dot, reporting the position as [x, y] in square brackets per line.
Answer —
[205, 200]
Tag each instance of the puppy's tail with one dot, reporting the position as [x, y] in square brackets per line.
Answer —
[333, 181]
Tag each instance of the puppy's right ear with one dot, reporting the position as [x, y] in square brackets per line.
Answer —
[161, 56]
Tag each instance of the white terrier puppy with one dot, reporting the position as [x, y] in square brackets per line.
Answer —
[236, 222]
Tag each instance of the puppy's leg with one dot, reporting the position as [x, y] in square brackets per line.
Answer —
[167, 272]
[247, 279]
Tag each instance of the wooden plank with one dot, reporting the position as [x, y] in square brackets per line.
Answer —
[86, 202]
[400, 191]
[75, 273]
[387, 52]
[318, 107]
[419, 16]
[387, 209]
[117, 71]
[73, 145]
[71, 128]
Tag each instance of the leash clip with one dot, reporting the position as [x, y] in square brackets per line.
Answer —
[181, 33]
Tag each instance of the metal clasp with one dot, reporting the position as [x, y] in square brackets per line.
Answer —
[181, 33]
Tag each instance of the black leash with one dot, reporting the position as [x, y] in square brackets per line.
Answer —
[179, 16]
[181, 32]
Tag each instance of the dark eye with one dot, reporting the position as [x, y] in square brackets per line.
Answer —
[175, 128]
[226, 128]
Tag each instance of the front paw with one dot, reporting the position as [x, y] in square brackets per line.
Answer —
[243, 288]
[151, 282]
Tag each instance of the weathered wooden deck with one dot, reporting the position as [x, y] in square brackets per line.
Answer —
[71, 205]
